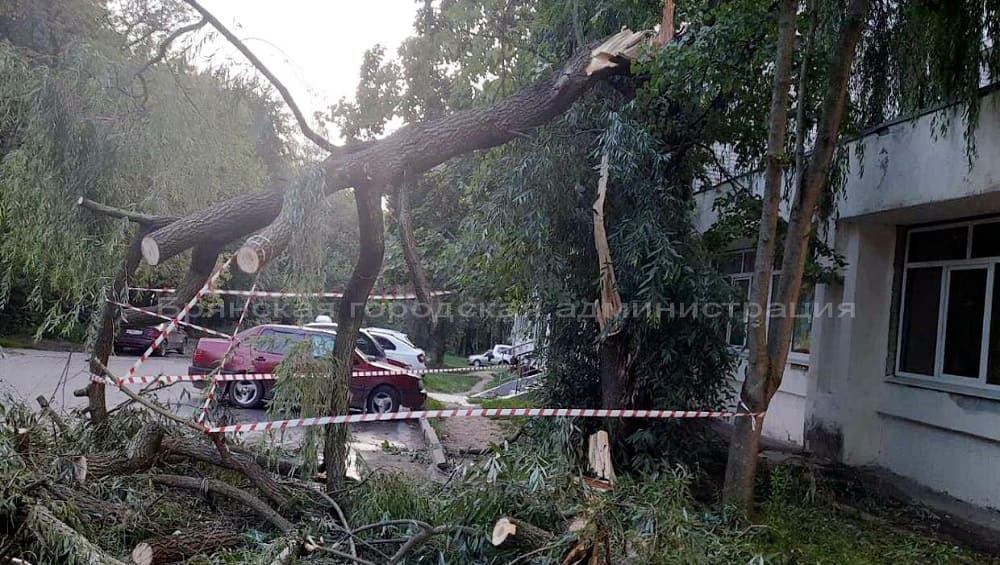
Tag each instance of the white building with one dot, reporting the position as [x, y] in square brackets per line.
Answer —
[911, 380]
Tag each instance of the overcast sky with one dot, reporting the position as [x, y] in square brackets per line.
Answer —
[314, 46]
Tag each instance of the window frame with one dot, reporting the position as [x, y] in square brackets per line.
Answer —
[948, 266]
[796, 357]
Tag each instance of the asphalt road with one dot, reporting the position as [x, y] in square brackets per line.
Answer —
[27, 373]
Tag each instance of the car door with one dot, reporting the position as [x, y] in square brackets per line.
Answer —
[270, 346]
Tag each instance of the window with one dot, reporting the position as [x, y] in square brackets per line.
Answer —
[368, 346]
[277, 342]
[950, 304]
[385, 343]
[739, 267]
[322, 345]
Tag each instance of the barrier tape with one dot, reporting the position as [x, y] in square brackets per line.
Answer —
[222, 377]
[168, 318]
[391, 295]
[172, 324]
[477, 413]
[210, 393]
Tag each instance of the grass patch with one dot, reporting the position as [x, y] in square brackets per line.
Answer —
[17, 342]
[453, 361]
[804, 526]
[449, 382]
[433, 404]
[529, 400]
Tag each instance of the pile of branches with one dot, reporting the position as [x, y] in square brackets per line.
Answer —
[144, 490]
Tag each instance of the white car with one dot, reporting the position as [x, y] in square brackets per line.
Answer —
[399, 348]
[499, 355]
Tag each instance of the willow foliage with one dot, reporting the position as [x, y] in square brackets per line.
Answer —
[76, 119]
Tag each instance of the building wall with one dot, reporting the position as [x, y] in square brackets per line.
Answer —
[848, 404]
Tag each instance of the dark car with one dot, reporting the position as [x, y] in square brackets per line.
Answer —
[260, 349]
[139, 339]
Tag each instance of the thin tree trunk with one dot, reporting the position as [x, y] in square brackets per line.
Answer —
[352, 311]
[743, 461]
[421, 286]
[738, 488]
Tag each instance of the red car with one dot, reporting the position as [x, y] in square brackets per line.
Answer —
[260, 349]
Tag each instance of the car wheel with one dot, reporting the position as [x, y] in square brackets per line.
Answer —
[182, 346]
[246, 394]
[383, 400]
[477, 363]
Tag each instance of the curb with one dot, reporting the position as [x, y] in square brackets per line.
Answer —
[433, 444]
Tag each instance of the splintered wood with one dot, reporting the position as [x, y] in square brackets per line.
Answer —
[599, 456]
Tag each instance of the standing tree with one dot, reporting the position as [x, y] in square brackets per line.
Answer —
[769, 343]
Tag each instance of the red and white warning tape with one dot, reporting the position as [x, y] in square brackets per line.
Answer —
[168, 318]
[172, 324]
[271, 376]
[474, 413]
[386, 294]
[210, 393]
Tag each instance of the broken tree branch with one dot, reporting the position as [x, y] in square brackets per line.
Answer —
[184, 544]
[137, 217]
[46, 526]
[512, 532]
[262, 68]
[161, 50]
[225, 489]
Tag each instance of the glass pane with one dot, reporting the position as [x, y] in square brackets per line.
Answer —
[732, 263]
[963, 338]
[275, 342]
[993, 364]
[938, 245]
[749, 257]
[737, 319]
[986, 240]
[322, 346]
[921, 299]
[802, 328]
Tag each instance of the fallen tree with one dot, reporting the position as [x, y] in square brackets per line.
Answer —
[371, 169]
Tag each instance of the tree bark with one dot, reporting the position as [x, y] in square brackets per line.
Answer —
[738, 487]
[220, 224]
[184, 544]
[512, 532]
[350, 316]
[227, 490]
[142, 453]
[760, 387]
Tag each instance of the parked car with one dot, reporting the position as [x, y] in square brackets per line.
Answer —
[396, 333]
[365, 342]
[260, 349]
[139, 339]
[399, 349]
[499, 355]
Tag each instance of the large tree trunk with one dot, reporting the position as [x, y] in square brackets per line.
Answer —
[767, 367]
[350, 316]
[104, 337]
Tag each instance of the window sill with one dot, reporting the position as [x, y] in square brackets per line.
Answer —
[799, 360]
[945, 386]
